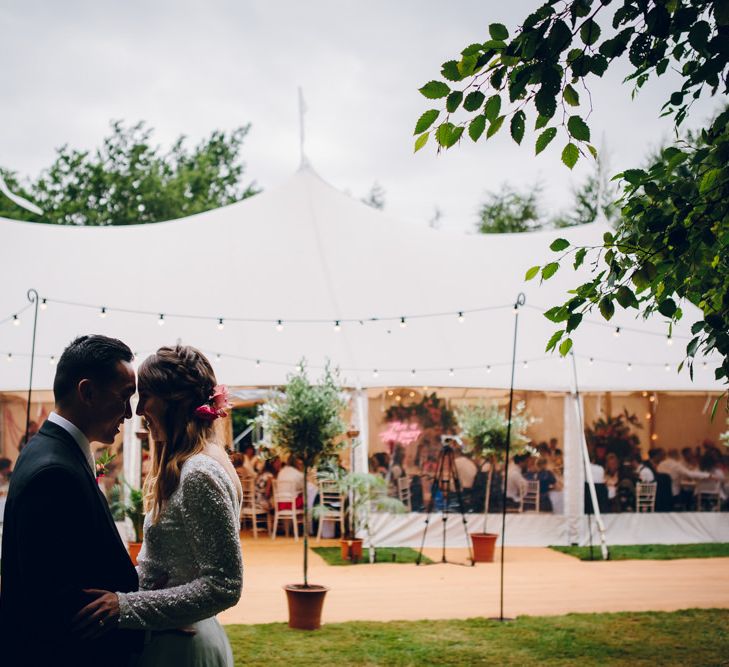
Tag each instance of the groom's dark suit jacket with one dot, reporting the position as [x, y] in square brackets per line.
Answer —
[58, 538]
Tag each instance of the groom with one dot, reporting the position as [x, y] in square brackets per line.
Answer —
[59, 536]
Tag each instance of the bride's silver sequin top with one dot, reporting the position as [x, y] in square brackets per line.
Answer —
[195, 545]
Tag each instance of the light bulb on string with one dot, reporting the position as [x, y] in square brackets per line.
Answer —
[9, 358]
[217, 358]
[704, 366]
[16, 320]
[525, 364]
[161, 320]
[630, 367]
[668, 368]
[403, 323]
[616, 333]
[52, 361]
[258, 363]
[279, 325]
[669, 341]
[412, 372]
[451, 373]
[461, 319]
[102, 312]
[44, 304]
[375, 374]
[488, 369]
[337, 326]
[591, 361]
[221, 324]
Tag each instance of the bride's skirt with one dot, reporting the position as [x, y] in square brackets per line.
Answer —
[209, 647]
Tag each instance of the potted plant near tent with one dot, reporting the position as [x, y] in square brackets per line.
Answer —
[363, 492]
[305, 421]
[134, 510]
[484, 429]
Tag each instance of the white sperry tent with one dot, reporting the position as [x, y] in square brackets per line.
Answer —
[310, 257]
[305, 251]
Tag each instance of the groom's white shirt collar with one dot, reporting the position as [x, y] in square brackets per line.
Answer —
[77, 435]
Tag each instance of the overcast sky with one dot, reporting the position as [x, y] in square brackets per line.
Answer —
[186, 67]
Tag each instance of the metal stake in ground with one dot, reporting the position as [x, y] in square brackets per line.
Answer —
[520, 301]
[33, 298]
[446, 475]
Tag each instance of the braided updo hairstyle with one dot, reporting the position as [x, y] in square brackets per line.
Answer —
[182, 377]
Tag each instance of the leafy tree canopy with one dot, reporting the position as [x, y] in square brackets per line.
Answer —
[375, 197]
[129, 180]
[672, 239]
[510, 210]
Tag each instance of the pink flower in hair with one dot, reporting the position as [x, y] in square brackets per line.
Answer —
[206, 413]
[220, 400]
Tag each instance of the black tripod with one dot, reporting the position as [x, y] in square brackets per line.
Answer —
[446, 475]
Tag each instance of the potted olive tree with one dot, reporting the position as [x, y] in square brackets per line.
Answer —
[363, 492]
[305, 421]
[484, 429]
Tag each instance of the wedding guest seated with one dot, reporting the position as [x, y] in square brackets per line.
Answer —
[250, 461]
[547, 483]
[264, 484]
[711, 463]
[627, 477]
[612, 466]
[466, 470]
[5, 472]
[516, 481]
[678, 472]
[236, 458]
[379, 463]
[293, 472]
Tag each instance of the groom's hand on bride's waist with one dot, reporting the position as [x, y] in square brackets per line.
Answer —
[98, 617]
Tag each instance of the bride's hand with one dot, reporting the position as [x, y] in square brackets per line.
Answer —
[98, 617]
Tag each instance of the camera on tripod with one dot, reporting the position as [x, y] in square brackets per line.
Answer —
[452, 441]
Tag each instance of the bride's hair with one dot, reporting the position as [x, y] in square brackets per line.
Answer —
[183, 378]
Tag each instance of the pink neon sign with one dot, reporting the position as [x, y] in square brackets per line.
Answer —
[404, 433]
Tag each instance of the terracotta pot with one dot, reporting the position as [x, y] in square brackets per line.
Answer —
[134, 548]
[484, 545]
[352, 550]
[305, 605]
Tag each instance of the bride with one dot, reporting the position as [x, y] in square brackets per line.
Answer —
[191, 540]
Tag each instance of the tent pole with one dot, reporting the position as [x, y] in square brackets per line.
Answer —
[520, 301]
[585, 459]
[33, 298]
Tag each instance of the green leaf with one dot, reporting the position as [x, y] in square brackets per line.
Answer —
[473, 100]
[531, 273]
[443, 133]
[570, 155]
[426, 120]
[667, 307]
[625, 297]
[498, 31]
[578, 128]
[517, 126]
[493, 106]
[450, 71]
[453, 101]
[421, 141]
[467, 66]
[573, 321]
[544, 139]
[708, 180]
[571, 96]
[593, 150]
[476, 127]
[556, 336]
[565, 346]
[495, 126]
[579, 258]
[589, 32]
[549, 270]
[434, 90]
[558, 245]
[607, 308]
[540, 122]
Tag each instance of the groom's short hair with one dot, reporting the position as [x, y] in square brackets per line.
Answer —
[94, 357]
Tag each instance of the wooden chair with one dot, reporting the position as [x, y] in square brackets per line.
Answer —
[284, 503]
[404, 491]
[645, 496]
[250, 510]
[530, 496]
[708, 495]
[331, 505]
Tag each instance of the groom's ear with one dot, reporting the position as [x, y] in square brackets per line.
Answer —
[85, 390]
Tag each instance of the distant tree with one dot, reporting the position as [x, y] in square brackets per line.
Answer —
[129, 180]
[375, 197]
[510, 210]
[595, 197]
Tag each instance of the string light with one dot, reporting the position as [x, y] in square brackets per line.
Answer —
[704, 366]
[44, 304]
[460, 317]
[403, 323]
[616, 333]
[592, 361]
[279, 325]
[221, 324]
[488, 369]
[451, 373]
[258, 363]
[412, 372]
[375, 374]
[630, 367]
[52, 361]
[9, 358]
[102, 312]
[337, 326]
[412, 394]
[161, 320]
[526, 364]
[217, 358]
[654, 436]
[669, 341]
[16, 320]
[668, 368]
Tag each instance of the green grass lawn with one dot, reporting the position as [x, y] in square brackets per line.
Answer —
[651, 551]
[690, 637]
[333, 555]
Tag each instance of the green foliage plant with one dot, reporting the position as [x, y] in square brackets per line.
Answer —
[133, 508]
[672, 239]
[305, 421]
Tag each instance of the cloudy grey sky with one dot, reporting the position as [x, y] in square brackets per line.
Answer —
[190, 67]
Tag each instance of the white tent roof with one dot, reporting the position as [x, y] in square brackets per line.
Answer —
[305, 251]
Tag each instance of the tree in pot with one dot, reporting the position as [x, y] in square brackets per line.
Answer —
[484, 429]
[132, 509]
[305, 421]
[362, 492]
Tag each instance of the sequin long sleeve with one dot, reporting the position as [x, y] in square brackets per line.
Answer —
[195, 543]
